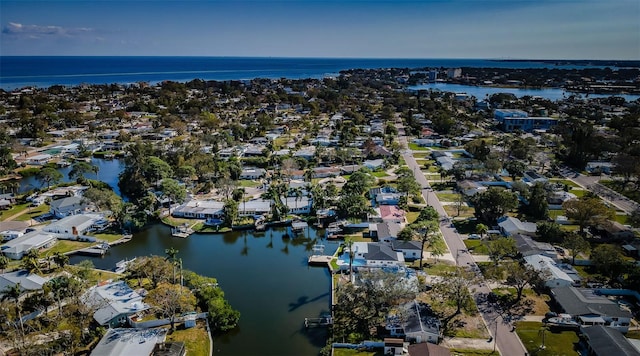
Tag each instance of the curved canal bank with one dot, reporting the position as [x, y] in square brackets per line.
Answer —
[264, 275]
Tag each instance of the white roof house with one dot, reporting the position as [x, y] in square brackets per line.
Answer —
[75, 225]
[199, 209]
[18, 247]
[372, 254]
[61, 208]
[28, 281]
[300, 205]
[115, 301]
[120, 341]
[554, 276]
[510, 226]
[255, 207]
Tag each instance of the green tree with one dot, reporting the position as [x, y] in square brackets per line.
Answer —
[608, 261]
[353, 205]
[174, 191]
[520, 276]
[13, 293]
[348, 244]
[493, 203]
[576, 244]
[60, 259]
[550, 231]
[587, 210]
[538, 206]
[171, 299]
[481, 229]
[105, 199]
[80, 168]
[172, 255]
[230, 212]
[4, 263]
[451, 295]
[48, 176]
[515, 168]
[500, 248]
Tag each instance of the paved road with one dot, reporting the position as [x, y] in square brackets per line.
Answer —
[507, 342]
[609, 195]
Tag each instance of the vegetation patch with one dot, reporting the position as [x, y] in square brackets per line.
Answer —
[556, 342]
[628, 190]
[416, 147]
[195, 339]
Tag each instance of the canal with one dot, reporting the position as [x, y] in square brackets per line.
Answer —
[264, 275]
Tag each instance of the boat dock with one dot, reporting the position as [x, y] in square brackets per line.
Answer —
[299, 226]
[318, 322]
[123, 239]
[92, 251]
[320, 260]
[182, 231]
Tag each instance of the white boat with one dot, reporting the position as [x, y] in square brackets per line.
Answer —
[563, 320]
[181, 231]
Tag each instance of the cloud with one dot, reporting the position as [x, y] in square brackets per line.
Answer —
[37, 31]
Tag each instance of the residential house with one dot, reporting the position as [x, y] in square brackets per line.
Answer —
[534, 177]
[411, 250]
[470, 188]
[139, 342]
[28, 281]
[298, 205]
[384, 196]
[8, 235]
[372, 255]
[527, 246]
[75, 226]
[428, 349]
[417, 324]
[254, 207]
[388, 213]
[589, 308]
[603, 341]
[510, 226]
[39, 160]
[395, 347]
[385, 232]
[555, 275]
[599, 167]
[33, 240]
[615, 230]
[374, 164]
[61, 208]
[114, 302]
[199, 209]
[252, 173]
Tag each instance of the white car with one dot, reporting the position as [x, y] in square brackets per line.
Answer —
[474, 237]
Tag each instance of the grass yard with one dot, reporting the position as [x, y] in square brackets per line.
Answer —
[195, 339]
[452, 197]
[476, 247]
[63, 246]
[556, 342]
[416, 147]
[465, 211]
[33, 213]
[438, 269]
[412, 216]
[380, 174]
[245, 183]
[16, 209]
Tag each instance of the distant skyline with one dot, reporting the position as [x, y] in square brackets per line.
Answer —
[506, 29]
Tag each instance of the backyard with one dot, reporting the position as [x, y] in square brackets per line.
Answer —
[540, 341]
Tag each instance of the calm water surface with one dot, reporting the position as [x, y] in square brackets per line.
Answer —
[264, 275]
[481, 92]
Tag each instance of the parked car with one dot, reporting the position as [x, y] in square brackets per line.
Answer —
[474, 237]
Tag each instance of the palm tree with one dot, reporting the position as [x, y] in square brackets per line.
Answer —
[14, 292]
[31, 264]
[60, 259]
[428, 236]
[297, 192]
[4, 262]
[482, 229]
[348, 243]
[172, 253]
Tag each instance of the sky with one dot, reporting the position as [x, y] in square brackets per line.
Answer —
[505, 29]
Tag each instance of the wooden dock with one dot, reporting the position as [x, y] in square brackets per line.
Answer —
[318, 322]
[320, 260]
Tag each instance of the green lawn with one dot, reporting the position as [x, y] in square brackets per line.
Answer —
[248, 183]
[416, 147]
[412, 216]
[195, 339]
[13, 211]
[422, 155]
[439, 269]
[578, 192]
[380, 174]
[476, 247]
[33, 213]
[451, 197]
[556, 342]
[63, 246]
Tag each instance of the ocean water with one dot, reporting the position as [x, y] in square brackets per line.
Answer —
[18, 72]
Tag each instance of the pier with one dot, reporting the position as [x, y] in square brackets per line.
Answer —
[318, 322]
[320, 260]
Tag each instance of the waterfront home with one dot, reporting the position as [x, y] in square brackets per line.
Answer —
[114, 302]
[33, 240]
[554, 275]
[385, 196]
[254, 207]
[75, 226]
[39, 160]
[199, 209]
[64, 207]
[589, 308]
[298, 205]
[603, 341]
[388, 213]
[28, 281]
[415, 322]
[139, 342]
[372, 255]
[510, 226]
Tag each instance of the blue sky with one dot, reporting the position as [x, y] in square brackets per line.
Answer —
[570, 29]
